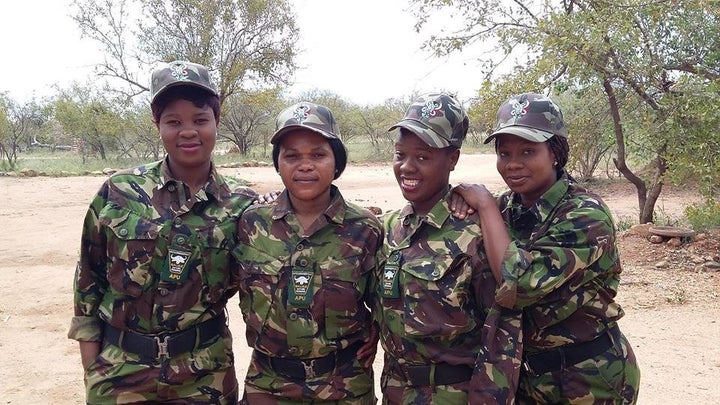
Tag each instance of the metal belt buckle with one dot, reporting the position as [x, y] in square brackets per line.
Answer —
[162, 346]
[309, 368]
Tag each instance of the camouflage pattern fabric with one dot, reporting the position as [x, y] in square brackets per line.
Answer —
[180, 73]
[436, 118]
[531, 116]
[436, 304]
[563, 270]
[206, 376]
[154, 258]
[307, 294]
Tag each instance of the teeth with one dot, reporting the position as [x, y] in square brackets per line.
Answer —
[411, 183]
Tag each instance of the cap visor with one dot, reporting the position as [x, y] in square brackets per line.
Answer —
[183, 83]
[289, 128]
[527, 133]
[422, 131]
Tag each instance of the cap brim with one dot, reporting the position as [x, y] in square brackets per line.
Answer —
[422, 131]
[293, 127]
[183, 83]
[527, 133]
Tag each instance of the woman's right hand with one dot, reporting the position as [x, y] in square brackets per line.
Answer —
[467, 198]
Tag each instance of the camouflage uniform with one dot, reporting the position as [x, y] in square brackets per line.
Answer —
[437, 309]
[139, 230]
[562, 269]
[304, 296]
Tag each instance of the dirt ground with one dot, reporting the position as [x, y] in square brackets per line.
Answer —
[671, 295]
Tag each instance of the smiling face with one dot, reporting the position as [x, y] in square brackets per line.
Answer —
[307, 167]
[188, 134]
[525, 166]
[422, 172]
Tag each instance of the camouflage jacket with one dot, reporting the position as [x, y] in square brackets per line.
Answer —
[307, 295]
[562, 266]
[153, 257]
[436, 299]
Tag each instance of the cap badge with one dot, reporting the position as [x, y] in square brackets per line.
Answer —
[179, 71]
[431, 109]
[519, 108]
[301, 113]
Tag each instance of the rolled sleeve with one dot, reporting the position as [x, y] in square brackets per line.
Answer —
[85, 328]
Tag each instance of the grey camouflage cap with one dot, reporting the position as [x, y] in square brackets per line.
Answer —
[531, 116]
[180, 73]
[436, 118]
[304, 114]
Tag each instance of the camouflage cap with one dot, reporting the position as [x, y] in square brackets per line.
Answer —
[531, 116]
[180, 73]
[304, 114]
[438, 119]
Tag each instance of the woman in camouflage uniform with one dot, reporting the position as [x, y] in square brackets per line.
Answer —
[306, 265]
[436, 304]
[154, 271]
[553, 246]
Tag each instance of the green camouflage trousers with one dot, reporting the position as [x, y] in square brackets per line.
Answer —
[612, 378]
[348, 384]
[397, 391]
[205, 376]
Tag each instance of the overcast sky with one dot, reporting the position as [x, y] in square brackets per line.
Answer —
[365, 51]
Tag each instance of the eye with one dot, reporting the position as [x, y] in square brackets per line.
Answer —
[502, 154]
[528, 151]
[397, 155]
[202, 121]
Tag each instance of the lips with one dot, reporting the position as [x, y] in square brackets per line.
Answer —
[515, 180]
[189, 147]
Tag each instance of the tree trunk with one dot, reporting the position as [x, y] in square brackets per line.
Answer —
[620, 162]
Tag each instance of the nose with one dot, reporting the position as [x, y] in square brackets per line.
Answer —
[188, 131]
[407, 165]
[512, 162]
[306, 165]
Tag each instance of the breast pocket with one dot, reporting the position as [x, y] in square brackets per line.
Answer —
[343, 288]
[131, 247]
[259, 279]
[436, 297]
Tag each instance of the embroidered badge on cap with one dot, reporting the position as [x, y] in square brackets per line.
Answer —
[301, 113]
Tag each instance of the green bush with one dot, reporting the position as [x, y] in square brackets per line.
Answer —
[703, 215]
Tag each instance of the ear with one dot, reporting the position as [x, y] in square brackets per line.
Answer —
[453, 157]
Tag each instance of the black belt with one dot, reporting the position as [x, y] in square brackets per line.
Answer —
[167, 344]
[561, 357]
[443, 374]
[304, 369]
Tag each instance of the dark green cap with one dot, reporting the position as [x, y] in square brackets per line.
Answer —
[438, 119]
[531, 116]
[180, 73]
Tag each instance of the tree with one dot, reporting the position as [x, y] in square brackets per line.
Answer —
[634, 51]
[91, 118]
[245, 43]
[20, 125]
[247, 119]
